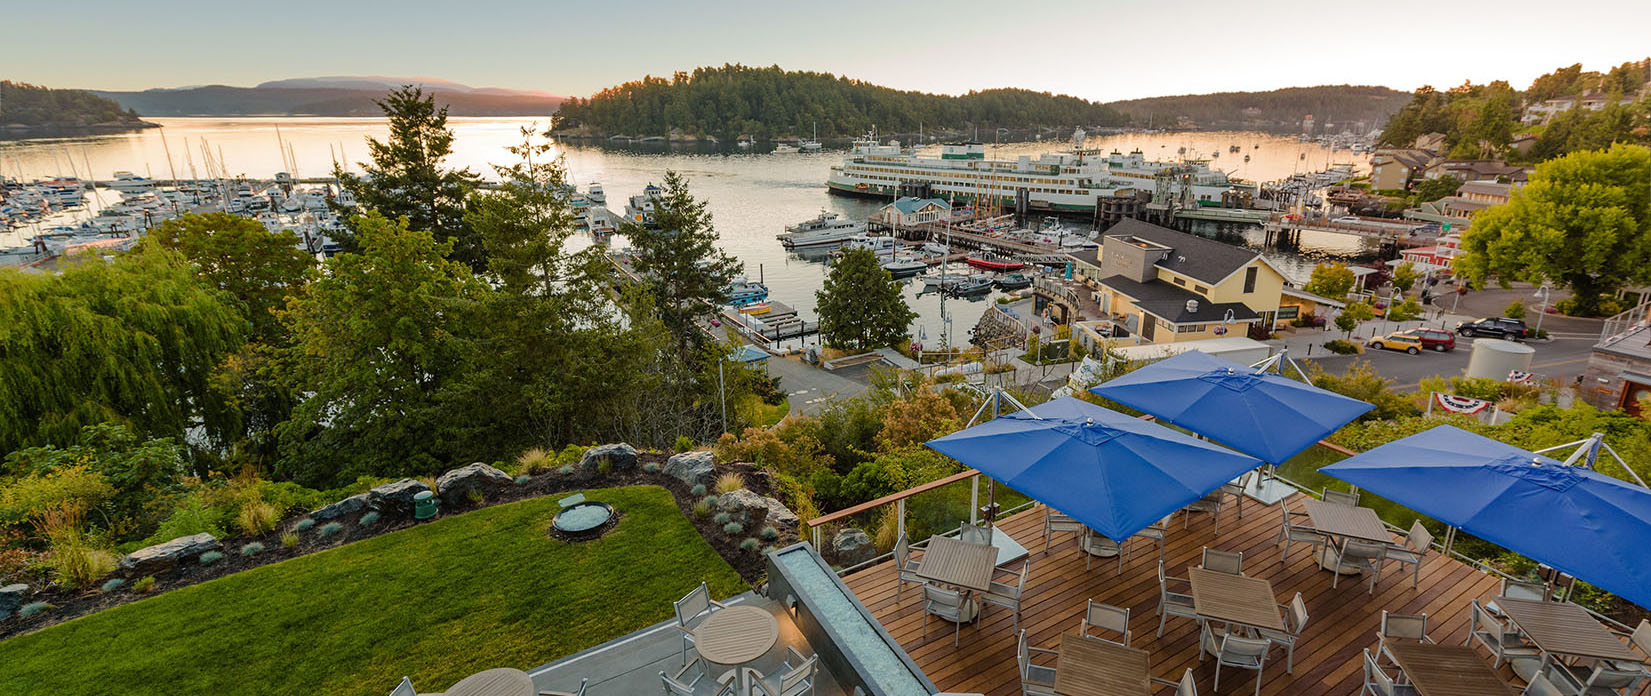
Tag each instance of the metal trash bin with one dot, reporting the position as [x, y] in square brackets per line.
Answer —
[424, 505]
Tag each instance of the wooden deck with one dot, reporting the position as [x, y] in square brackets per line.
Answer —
[1342, 622]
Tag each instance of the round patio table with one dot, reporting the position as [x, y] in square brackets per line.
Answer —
[494, 682]
[736, 636]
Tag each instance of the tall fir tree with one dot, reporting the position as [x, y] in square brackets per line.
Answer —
[681, 265]
[860, 305]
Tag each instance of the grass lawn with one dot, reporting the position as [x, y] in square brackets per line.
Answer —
[436, 602]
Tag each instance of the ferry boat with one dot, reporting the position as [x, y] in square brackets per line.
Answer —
[1073, 181]
[742, 292]
[827, 228]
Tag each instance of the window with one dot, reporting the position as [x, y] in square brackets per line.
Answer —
[1189, 328]
[1249, 279]
[1181, 282]
[1201, 290]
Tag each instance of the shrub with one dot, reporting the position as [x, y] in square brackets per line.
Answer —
[769, 533]
[1362, 382]
[683, 443]
[252, 549]
[304, 525]
[257, 517]
[331, 528]
[723, 517]
[729, 482]
[1343, 347]
[33, 608]
[113, 584]
[144, 584]
[76, 487]
[474, 496]
[733, 528]
[211, 557]
[523, 480]
[571, 454]
[698, 490]
[289, 540]
[1514, 310]
[78, 565]
[651, 467]
[710, 500]
[369, 519]
[566, 470]
[534, 461]
[701, 509]
[750, 545]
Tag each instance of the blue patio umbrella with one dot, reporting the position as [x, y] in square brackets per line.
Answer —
[1262, 414]
[1589, 525]
[1114, 473]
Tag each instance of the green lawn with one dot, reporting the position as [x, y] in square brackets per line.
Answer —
[436, 602]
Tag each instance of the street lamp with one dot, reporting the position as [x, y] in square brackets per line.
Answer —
[1542, 292]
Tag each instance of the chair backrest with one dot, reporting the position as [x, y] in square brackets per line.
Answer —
[1163, 581]
[975, 534]
[1514, 589]
[1096, 540]
[1025, 568]
[1223, 561]
[1340, 497]
[1540, 686]
[1419, 539]
[1406, 626]
[1240, 647]
[691, 606]
[1641, 637]
[1365, 549]
[674, 687]
[405, 688]
[1298, 614]
[902, 551]
[1606, 678]
[1022, 656]
[1106, 616]
[1483, 622]
[1187, 686]
[799, 674]
[942, 601]
[1374, 676]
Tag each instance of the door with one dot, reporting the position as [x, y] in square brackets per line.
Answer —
[1149, 327]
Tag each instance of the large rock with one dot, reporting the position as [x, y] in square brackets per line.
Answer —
[11, 599]
[348, 506]
[163, 557]
[852, 547]
[618, 456]
[754, 511]
[693, 468]
[455, 486]
[396, 498]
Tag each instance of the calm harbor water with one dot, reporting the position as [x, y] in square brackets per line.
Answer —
[752, 195]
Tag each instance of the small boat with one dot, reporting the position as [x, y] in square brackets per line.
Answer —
[826, 228]
[972, 285]
[784, 149]
[993, 262]
[127, 181]
[1014, 281]
[905, 266]
[755, 308]
[881, 246]
[596, 195]
[742, 292]
[812, 144]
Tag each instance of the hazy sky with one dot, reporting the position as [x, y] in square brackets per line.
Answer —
[1099, 49]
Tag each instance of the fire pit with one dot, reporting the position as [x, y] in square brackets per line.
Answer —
[583, 520]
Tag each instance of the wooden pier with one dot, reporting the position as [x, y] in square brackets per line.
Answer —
[1285, 230]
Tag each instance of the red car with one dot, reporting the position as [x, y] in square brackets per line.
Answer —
[1434, 339]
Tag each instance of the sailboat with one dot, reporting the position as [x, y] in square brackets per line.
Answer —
[812, 144]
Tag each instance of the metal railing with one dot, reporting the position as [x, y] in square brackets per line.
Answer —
[1625, 324]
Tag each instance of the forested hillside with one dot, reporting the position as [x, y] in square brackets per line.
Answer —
[219, 100]
[33, 106]
[1279, 108]
[769, 102]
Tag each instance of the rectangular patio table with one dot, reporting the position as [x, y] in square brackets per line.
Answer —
[1447, 670]
[959, 563]
[1090, 667]
[1008, 550]
[1344, 521]
[1563, 628]
[1234, 599]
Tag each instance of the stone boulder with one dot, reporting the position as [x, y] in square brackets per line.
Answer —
[348, 506]
[754, 511]
[852, 547]
[693, 468]
[618, 456]
[11, 599]
[395, 498]
[455, 486]
[163, 557]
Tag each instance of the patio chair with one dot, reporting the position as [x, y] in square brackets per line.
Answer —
[1377, 682]
[1035, 679]
[793, 680]
[1058, 523]
[1156, 533]
[690, 609]
[1540, 686]
[586, 682]
[1092, 542]
[675, 686]
[1413, 551]
[1501, 642]
[1400, 628]
[1602, 680]
[1293, 532]
[1332, 495]
[905, 567]
[405, 688]
[975, 534]
[1236, 489]
[1229, 562]
[1519, 589]
[1186, 687]
[947, 604]
[1295, 621]
[1173, 603]
[1008, 596]
[1639, 640]
[1109, 618]
[1210, 503]
[1364, 554]
[1234, 651]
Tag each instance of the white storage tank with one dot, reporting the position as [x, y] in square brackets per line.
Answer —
[1494, 358]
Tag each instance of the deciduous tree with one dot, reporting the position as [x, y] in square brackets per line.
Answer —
[1332, 280]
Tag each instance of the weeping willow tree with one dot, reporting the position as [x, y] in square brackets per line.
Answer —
[134, 341]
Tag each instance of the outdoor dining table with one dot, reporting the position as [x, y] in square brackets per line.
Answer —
[1008, 550]
[494, 682]
[1446, 670]
[1090, 667]
[1344, 521]
[1561, 628]
[736, 636]
[1234, 599]
[958, 563]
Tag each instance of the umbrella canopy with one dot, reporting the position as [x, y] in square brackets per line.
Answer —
[1114, 473]
[1585, 523]
[1266, 415]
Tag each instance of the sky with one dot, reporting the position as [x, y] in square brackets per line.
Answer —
[1102, 50]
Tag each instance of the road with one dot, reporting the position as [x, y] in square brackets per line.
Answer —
[1563, 357]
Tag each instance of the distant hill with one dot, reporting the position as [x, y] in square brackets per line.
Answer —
[26, 107]
[330, 96]
[1279, 109]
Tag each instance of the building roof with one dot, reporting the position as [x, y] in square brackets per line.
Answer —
[1168, 302]
[1298, 293]
[1408, 156]
[908, 205]
[750, 354]
[1193, 256]
[1485, 188]
[1483, 169]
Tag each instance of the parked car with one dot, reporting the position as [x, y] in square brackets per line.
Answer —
[1499, 327]
[1397, 341]
[1434, 339]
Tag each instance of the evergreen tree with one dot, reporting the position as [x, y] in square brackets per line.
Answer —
[406, 178]
[860, 305]
[238, 255]
[681, 266]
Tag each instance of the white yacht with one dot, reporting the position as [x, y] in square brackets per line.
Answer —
[127, 181]
[813, 143]
[596, 195]
[881, 246]
[825, 229]
[904, 266]
[784, 149]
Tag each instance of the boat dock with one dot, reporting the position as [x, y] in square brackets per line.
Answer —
[1287, 230]
[780, 322]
